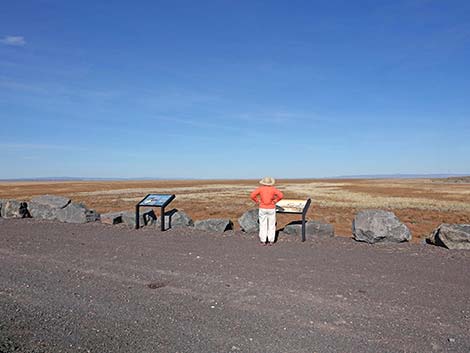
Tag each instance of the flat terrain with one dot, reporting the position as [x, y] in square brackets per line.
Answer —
[422, 204]
[98, 288]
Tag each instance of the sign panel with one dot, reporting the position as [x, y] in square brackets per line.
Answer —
[154, 200]
[296, 206]
[157, 200]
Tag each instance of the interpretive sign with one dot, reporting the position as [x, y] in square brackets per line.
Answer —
[296, 207]
[154, 200]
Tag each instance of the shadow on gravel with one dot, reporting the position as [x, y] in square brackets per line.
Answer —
[156, 285]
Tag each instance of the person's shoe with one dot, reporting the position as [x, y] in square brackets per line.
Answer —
[262, 244]
[270, 244]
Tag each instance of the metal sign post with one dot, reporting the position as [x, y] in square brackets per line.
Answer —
[154, 200]
[295, 207]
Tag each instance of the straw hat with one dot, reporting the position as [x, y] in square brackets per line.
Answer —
[267, 181]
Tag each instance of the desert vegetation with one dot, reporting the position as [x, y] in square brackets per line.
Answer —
[422, 204]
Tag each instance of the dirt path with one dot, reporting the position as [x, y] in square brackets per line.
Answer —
[96, 288]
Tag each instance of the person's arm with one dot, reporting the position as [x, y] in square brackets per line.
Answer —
[278, 196]
[254, 195]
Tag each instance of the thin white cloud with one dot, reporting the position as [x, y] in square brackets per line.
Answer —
[200, 124]
[279, 117]
[15, 41]
[38, 146]
[16, 85]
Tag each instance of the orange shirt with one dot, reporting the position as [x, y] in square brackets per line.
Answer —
[268, 196]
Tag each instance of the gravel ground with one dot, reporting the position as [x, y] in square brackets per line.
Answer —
[98, 288]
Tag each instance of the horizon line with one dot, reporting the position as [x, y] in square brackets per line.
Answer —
[354, 176]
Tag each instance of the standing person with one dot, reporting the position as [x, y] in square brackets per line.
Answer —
[266, 197]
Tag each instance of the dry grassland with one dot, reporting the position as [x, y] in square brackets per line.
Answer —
[422, 204]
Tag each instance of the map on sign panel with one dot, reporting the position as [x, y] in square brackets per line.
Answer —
[291, 206]
[155, 200]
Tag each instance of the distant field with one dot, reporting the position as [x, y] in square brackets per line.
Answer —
[422, 204]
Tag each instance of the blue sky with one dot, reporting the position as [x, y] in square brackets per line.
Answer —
[234, 89]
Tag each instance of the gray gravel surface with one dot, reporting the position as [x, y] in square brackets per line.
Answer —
[99, 288]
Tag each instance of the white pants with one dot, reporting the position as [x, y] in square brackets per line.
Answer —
[267, 224]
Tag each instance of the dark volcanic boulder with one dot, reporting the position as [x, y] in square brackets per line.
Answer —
[76, 213]
[249, 221]
[451, 236]
[214, 225]
[128, 218]
[38, 210]
[53, 201]
[8, 209]
[313, 230]
[1, 203]
[181, 219]
[149, 216]
[14, 209]
[168, 223]
[374, 226]
[92, 216]
[175, 219]
[46, 206]
[111, 218]
[146, 217]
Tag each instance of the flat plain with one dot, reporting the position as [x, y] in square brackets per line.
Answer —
[422, 204]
